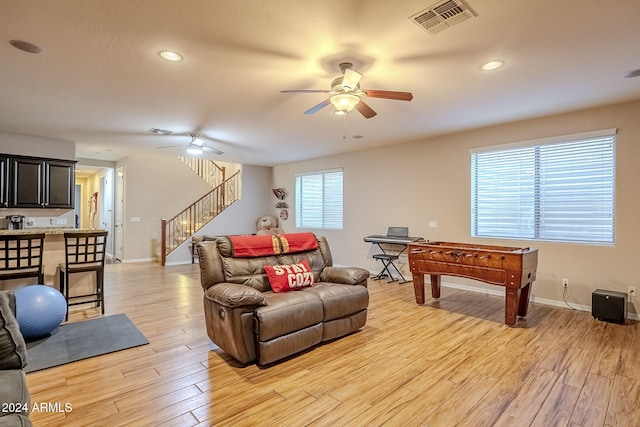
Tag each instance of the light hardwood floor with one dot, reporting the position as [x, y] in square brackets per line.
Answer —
[451, 362]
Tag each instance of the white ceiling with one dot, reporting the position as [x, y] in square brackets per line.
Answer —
[100, 83]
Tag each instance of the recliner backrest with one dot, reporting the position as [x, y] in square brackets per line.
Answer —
[218, 265]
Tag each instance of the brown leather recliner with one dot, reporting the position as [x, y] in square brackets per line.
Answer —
[250, 322]
[14, 394]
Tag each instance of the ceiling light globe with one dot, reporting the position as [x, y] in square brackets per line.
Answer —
[344, 102]
[194, 150]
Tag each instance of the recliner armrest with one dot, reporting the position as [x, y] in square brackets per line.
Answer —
[235, 295]
[345, 275]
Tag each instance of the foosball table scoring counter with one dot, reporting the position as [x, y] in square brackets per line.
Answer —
[511, 267]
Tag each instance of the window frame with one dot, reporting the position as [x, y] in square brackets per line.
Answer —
[533, 190]
[329, 220]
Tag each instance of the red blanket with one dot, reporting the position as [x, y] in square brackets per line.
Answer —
[276, 244]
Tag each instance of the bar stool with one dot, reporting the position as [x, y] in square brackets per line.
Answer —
[84, 252]
[21, 256]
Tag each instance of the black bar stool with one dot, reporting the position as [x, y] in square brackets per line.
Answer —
[21, 256]
[84, 252]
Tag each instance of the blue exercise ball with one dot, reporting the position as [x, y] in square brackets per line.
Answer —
[39, 310]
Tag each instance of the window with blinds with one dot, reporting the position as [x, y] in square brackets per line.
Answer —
[558, 190]
[319, 200]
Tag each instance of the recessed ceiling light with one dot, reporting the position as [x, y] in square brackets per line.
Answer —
[492, 65]
[170, 56]
[25, 46]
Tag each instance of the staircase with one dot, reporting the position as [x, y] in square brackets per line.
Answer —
[206, 169]
[180, 228]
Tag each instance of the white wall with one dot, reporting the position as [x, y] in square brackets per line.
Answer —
[27, 145]
[413, 183]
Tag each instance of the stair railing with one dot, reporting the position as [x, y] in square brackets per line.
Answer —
[206, 169]
[185, 224]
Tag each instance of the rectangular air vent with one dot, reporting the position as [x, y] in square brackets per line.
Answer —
[442, 15]
[157, 131]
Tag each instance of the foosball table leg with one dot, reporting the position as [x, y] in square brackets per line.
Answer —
[511, 304]
[418, 287]
[435, 285]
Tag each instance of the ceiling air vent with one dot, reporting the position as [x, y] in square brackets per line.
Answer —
[157, 131]
[442, 15]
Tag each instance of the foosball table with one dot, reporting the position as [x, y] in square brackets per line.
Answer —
[511, 267]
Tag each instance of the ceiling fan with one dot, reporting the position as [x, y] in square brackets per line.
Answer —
[347, 95]
[196, 145]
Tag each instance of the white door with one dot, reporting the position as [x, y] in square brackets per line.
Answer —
[106, 214]
[119, 214]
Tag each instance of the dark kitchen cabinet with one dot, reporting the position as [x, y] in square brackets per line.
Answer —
[41, 183]
[60, 184]
[4, 182]
[27, 183]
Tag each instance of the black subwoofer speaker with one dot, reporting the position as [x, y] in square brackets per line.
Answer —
[609, 306]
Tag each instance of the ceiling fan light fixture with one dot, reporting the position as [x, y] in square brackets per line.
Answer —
[344, 102]
[194, 150]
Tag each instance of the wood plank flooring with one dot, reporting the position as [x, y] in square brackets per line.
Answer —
[450, 362]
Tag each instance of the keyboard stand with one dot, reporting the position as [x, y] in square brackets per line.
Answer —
[387, 260]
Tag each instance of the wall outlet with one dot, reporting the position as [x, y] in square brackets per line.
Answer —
[632, 291]
[565, 283]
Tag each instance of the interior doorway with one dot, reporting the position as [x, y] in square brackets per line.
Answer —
[77, 209]
[119, 214]
[95, 200]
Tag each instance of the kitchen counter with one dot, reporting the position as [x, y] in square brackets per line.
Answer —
[53, 253]
[48, 230]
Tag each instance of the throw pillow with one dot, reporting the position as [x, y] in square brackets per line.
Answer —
[285, 278]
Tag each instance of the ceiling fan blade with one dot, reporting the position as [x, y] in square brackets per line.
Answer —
[211, 149]
[172, 146]
[365, 110]
[305, 91]
[351, 79]
[318, 107]
[400, 96]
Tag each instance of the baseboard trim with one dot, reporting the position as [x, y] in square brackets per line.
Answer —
[168, 264]
[499, 292]
[131, 261]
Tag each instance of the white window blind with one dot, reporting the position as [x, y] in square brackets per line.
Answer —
[319, 200]
[560, 191]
